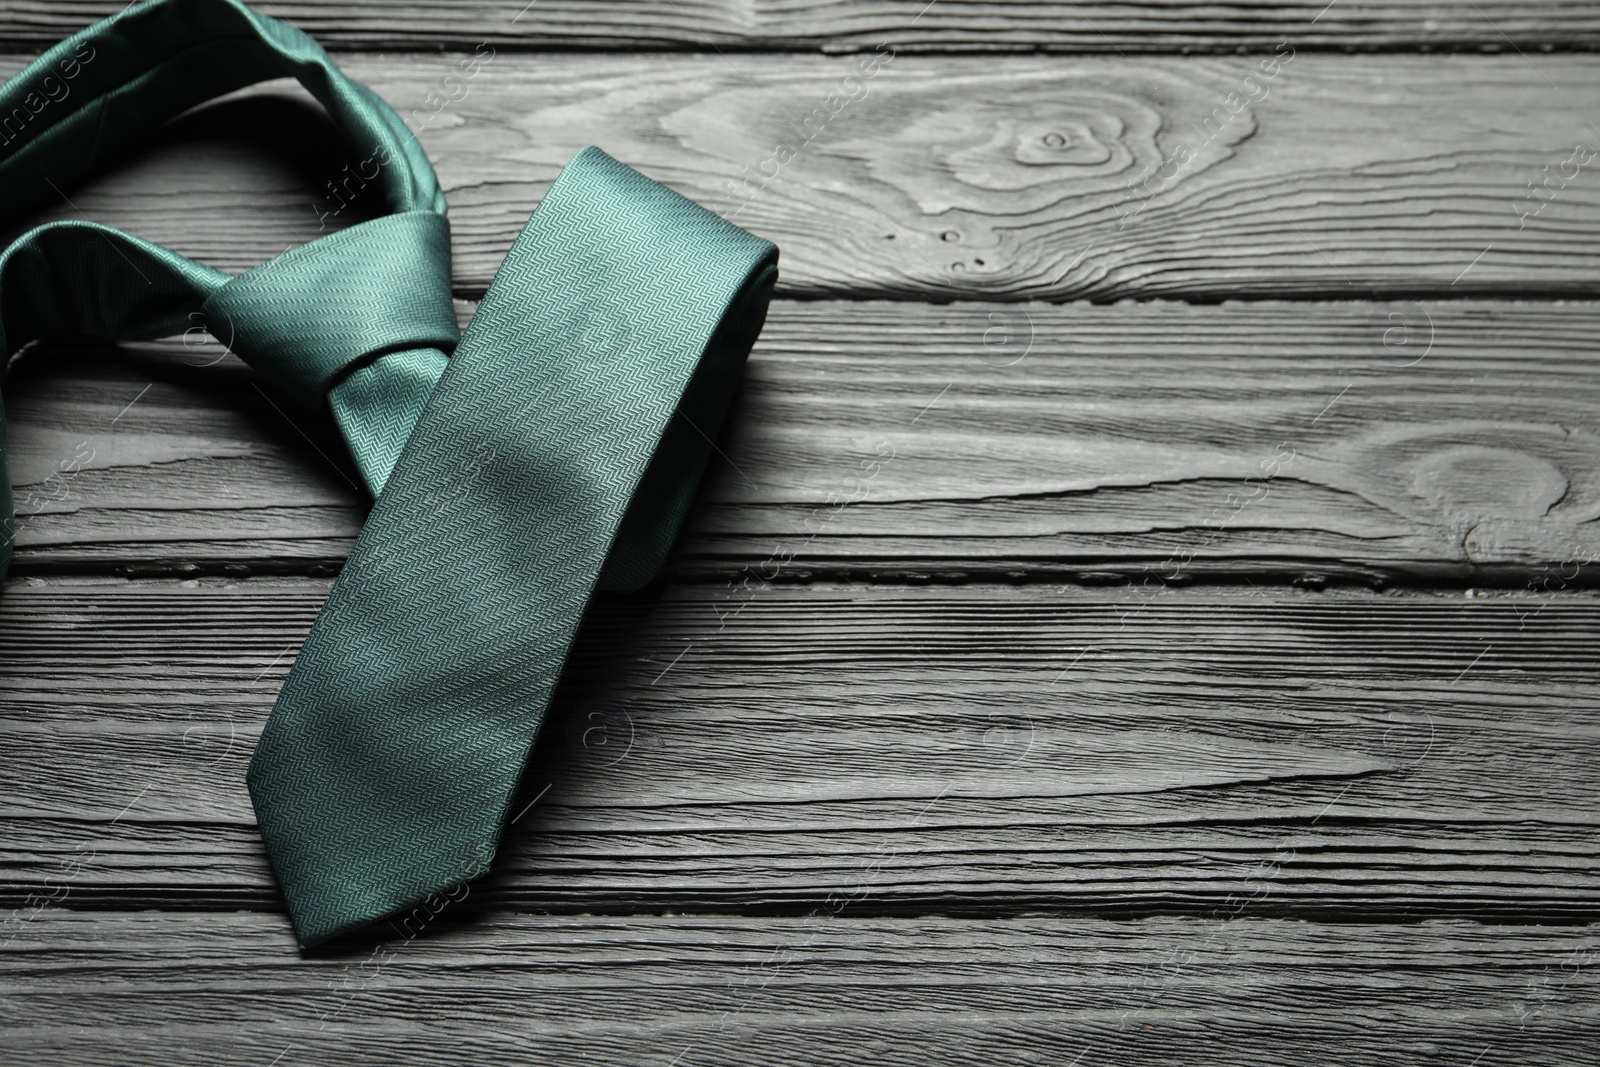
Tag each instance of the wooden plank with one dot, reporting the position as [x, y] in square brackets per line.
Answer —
[1090, 26]
[957, 178]
[1449, 442]
[981, 750]
[819, 989]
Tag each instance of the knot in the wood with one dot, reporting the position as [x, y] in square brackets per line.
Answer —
[1479, 482]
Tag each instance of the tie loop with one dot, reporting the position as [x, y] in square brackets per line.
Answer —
[369, 303]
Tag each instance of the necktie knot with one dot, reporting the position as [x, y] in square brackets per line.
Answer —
[307, 317]
[316, 320]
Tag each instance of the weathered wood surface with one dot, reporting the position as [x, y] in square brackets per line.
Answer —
[735, 25]
[805, 990]
[1406, 442]
[977, 750]
[1064, 820]
[960, 177]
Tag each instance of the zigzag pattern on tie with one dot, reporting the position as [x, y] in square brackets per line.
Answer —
[314, 318]
[391, 758]
[311, 320]
[377, 404]
[548, 456]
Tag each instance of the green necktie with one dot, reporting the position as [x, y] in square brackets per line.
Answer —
[554, 452]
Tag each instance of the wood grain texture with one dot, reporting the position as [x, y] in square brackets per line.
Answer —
[1096, 815]
[975, 751]
[1350, 177]
[94, 988]
[1412, 442]
[995, 25]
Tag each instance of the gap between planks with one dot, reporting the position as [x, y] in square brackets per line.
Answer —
[950, 178]
[736, 26]
[1406, 443]
[820, 989]
[984, 750]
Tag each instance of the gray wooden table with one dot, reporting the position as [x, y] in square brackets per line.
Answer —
[1143, 612]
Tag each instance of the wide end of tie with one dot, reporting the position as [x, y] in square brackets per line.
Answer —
[335, 882]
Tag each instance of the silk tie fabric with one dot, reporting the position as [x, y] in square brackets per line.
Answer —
[555, 451]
